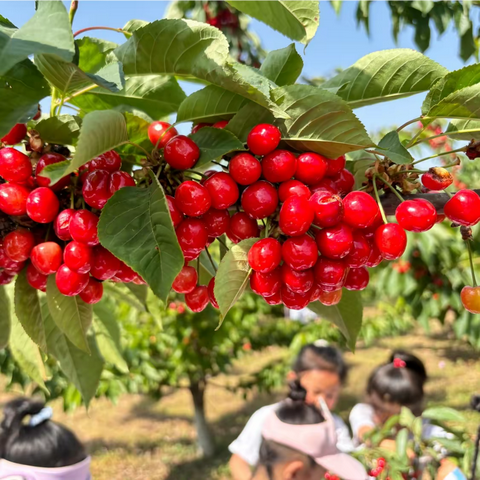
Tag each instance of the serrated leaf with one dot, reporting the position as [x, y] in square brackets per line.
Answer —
[61, 130]
[386, 75]
[72, 315]
[443, 414]
[136, 227]
[462, 104]
[298, 20]
[133, 25]
[139, 291]
[4, 317]
[320, 121]
[214, 143]
[283, 66]
[464, 130]
[93, 53]
[391, 146]
[48, 31]
[27, 310]
[232, 276]
[347, 315]
[248, 116]
[123, 294]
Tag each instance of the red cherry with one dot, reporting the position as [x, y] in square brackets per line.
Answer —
[42, 205]
[292, 188]
[125, 274]
[266, 284]
[197, 300]
[335, 166]
[330, 273]
[46, 257]
[192, 237]
[375, 257]
[463, 208]
[109, 161]
[391, 240]
[192, 198]
[344, 181]
[328, 208]
[18, 244]
[294, 300]
[175, 213]
[360, 210]
[440, 218]
[160, 133]
[275, 299]
[216, 222]
[199, 126]
[15, 135]
[96, 188]
[279, 166]
[222, 189]
[62, 224]
[377, 222]
[8, 264]
[263, 139]
[221, 124]
[471, 299]
[300, 253]
[437, 178]
[186, 280]
[330, 298]
[335, 242]
[119, 180]
[296, 216]
[14, 165]
[211, 293]
[260, 199]
[36, 279]
[42, 181]
[416, 215]
[78, 256]
[83, 227]
[69, 282]
[265, 255]
[13, 199]
[357, 279]
[93, 292]
[326, 185]
[360, 252]
[245, 168]
[6, 277]
[242, 227]
[104, 265]
[181, 152]
[311, 168]
[297, 281]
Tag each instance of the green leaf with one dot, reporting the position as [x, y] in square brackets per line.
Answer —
[249, 115]
[347, 315]
[337, 5]
[61, 130]
[93, 53]
[101, 131]
[136, 227]
[443, 414]
[464, 130]
[320, 121]
[27, 310]
[297, 20]
[214, 143]
[386, 75]
[232, 276]
[48, 31]
[391, 146]
[139, 291]
[283, 66]
[21, 89]
[462, 104]
[71, 315]
[4, 317]
[406, 418]
[133, 25]
[401, 441]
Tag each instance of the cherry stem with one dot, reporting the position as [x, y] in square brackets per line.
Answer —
[412, 141]
[211, 259]
[196, 173]
[408, 123]
[141, 148]
[161, 136]
[223, 243]
[119, 30]
[382, 211]
[198, 267]
[462, 149]
[394, 190]
[470, 255]
[426, 139]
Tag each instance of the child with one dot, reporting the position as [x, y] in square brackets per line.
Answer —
[40, 449]
[299, 443]
[321, 371]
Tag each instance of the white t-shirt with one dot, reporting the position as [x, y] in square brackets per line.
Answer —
[247, 445]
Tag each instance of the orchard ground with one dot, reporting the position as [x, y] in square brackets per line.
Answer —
[144, 439]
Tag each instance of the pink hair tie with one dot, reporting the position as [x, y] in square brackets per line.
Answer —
[399, 363]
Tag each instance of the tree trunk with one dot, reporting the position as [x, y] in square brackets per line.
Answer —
[205, 439]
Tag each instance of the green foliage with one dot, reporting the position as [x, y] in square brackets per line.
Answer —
[391, 146]
[61, 130]
[283, 66]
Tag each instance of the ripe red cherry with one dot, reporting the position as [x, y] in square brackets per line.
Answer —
[330, 298]
[377, 222]
[93, 292]
[192, 237]
[104, 265]
[357, 279]
[6, 277]
[186, 280]
[326, 184]
[15, 135]
[197, 300]
[463, 208]
[42, 205]
[335, 242]
[8, 264]
[297, 281]
[292, 188]
[279, 166]
[360, 210]
[245, 168]
[391, 240]
[18, 244]
[330, 273]
[36, 279]
[344, 181]
[69, 282]
[266, 284]
[275, 299]
[216, 222]
[211, 292]
[242, 227]
[62, 224]
[265, 255]
[83, 227]
[78, 256]
[375, 257]
[328, 208]
[263, 139]
[471, 299]
[109, 161]
[46, 257]
[294, 300]
[119, 180]
[260, 199]
[223, 190]
[416, 215]
[42, 181]
[181, 152]
[14, 165]
[192, 198]
[311, 168]
[175, 213]
[13, 199]
[221, 124]
[360, 252]
[199, 126]
[96, 188]
[335, 166]
[437, 178]
[296, 216]
[160, 133]
[300, 253]
[125, 274]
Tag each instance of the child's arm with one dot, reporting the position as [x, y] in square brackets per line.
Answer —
[361, 421]
[449, 471]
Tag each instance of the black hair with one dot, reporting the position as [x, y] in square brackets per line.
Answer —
[400, 381]
[312, 357]
[47, 445]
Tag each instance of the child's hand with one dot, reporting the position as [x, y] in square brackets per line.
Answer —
[391, 445]
[449, 471]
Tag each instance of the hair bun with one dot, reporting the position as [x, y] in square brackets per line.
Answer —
[16, 410]
[410, 362]
[297, 392]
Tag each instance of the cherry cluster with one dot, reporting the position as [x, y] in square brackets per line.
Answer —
[381, 463]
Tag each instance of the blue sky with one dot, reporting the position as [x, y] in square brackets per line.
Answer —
[338, 42]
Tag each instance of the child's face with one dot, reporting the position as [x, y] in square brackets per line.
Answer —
[321, 383]
[383, 410]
